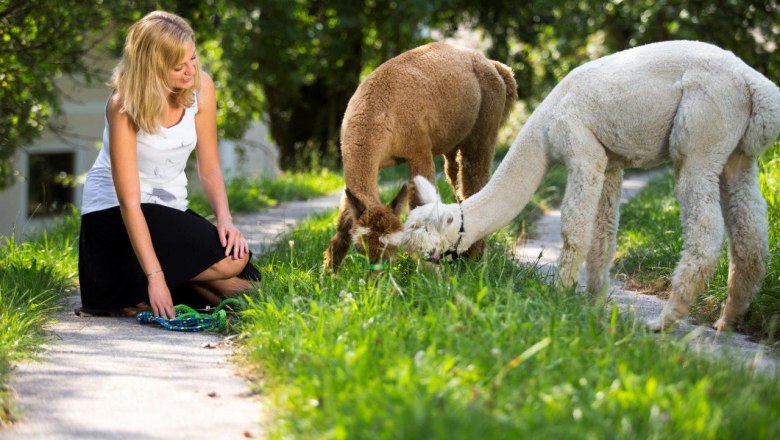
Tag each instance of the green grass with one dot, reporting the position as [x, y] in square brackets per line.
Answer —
[650, 241]
[33, 277]
[475, 350]
[256, 194]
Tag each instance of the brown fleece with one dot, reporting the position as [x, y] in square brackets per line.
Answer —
[437, 99]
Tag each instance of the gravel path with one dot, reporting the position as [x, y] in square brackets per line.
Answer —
[113, 378]
[545, 240]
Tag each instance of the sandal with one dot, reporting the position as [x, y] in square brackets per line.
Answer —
[87, 313]
[123, 312]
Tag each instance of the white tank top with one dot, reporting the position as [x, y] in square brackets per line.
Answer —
[162, 158]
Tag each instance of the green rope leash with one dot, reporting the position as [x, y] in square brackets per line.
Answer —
[190, 320]
[372, 266]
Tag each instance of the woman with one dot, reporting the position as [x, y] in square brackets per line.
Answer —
[140, 246]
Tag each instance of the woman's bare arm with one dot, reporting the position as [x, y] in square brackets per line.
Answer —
[210, 171]
[124, 168]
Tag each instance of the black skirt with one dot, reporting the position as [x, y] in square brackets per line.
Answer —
[110, 275]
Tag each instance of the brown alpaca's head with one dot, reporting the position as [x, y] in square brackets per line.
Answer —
[377, 232]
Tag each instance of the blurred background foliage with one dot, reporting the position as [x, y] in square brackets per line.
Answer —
[296, 63]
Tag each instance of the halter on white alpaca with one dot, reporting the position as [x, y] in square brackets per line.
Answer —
[685, 102]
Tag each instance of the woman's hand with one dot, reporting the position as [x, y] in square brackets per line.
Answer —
[230, 237]
[160, 297]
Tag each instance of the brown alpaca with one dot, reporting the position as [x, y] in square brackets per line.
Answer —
[437, 99]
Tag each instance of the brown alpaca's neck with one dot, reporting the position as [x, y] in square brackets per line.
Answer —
[361, 175]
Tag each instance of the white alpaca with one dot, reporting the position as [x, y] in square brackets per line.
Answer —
[691, 103]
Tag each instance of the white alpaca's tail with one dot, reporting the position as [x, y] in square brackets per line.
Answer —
[764, 124]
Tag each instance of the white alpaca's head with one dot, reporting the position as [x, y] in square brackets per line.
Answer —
[432, 228]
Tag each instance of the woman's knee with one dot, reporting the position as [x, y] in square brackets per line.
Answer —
[228, 267]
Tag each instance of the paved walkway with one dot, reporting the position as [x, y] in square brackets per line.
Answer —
[113, 378]
[546, 240]
[264, 228]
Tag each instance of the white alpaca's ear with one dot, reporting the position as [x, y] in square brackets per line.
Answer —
[426, 192]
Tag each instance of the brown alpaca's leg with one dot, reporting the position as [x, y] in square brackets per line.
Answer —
[744, 212]
[340, 242]
[452, 171]
[476, 157]
[421, 165]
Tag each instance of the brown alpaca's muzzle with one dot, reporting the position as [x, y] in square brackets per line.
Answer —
[376, 249]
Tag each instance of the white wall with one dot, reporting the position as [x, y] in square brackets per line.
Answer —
[82, 118]
[253, 156]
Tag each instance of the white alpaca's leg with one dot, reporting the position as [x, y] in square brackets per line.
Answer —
[603, 243]
[706, 129]
[744, 210]
[702, 221]
[586, 165]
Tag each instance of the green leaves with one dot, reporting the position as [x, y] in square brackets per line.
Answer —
[39, 41]
[296, 63]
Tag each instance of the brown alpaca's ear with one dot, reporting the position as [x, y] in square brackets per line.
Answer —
[401, 201]
[355, 204]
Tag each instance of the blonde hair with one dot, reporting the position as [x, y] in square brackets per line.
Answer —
[154, 45]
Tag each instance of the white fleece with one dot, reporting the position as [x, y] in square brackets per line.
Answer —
[687, 102]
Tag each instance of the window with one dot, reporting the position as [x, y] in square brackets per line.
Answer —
[50, 190]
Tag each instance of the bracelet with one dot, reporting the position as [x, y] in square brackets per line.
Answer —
[154, 272]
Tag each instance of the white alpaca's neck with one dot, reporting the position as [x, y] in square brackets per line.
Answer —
[510, 188]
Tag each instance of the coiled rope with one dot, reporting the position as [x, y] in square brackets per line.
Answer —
[190, 320]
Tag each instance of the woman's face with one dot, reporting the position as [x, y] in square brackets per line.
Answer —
[182, 75]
